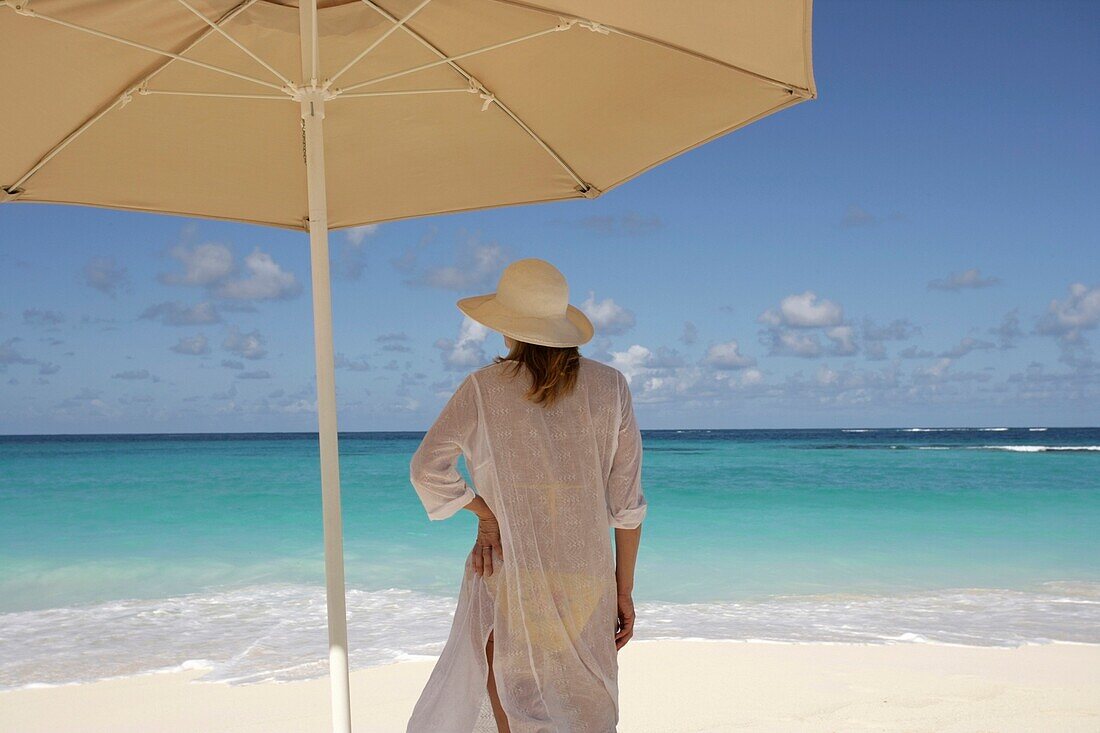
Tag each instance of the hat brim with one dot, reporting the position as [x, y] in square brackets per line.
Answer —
[572, 329]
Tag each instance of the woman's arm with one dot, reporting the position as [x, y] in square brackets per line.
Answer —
[626, 502]
[433, 469]
[626, 507]
[626, 557]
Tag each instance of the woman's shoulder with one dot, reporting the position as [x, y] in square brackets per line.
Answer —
[599, 370]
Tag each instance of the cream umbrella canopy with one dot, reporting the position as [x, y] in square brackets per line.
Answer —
[336, 113]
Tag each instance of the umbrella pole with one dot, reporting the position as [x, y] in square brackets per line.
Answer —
[312, 114]
[312, 100]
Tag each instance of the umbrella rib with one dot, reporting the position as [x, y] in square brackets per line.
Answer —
[444, 59]
[150, 49]
[801, 91]
[123, 98]
[407, 92]
[236, 43]
[226, 95]
[475, 85]
[395, 25]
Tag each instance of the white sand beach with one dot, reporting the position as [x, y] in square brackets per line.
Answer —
[666, 687]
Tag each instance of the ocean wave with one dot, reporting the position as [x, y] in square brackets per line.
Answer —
[954, 430]
[278, 632]
[1060, 612]
[254, 634]
[937, 430]
[1040, 448]
[957, 446]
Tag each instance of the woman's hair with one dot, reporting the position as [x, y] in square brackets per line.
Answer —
[553, 370]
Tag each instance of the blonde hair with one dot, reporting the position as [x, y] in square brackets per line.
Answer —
[553, 370]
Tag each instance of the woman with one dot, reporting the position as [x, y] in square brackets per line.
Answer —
[552, 446]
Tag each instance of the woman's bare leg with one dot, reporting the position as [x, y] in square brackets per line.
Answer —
[498, 711]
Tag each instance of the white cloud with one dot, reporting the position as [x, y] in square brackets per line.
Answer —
[956, 281]
[355, 365]
[827, 376]
[203, 264]
[690, 334]
[900, 329]
[265, 280]
[804, 310]
[727, 356]
[751, 377]
[874, 335]
[940, 372]
[177, 314]
[37, 317]
[842, 338]
[857, 216]
[913, 352]
[212, 266]
[789, 325]
[465, 352]
[246, 345]
[132, 375]
[192, 345]
[476, 265]
[632, 362]
[608, 317]
[106, 275]
[1067, 318]
[10, 355]
[394, 342]
[88, 403]
[391, 337]
[357, 235]
[965, 346]
[660, 376]
[782, 342]
[1009, 330]
[350, 262]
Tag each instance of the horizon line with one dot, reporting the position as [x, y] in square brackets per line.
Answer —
[990, 428]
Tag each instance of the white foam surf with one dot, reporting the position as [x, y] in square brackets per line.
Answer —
[278, 632]
[1042, 448]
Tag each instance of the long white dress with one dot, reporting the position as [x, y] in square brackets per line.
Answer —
[557, 478]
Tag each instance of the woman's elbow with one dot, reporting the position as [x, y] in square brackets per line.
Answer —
[418, 468]
[628, 518]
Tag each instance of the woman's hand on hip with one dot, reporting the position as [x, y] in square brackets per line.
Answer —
[625, 626]
[487, 543]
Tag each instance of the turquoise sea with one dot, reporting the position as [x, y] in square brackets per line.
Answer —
[123, 554]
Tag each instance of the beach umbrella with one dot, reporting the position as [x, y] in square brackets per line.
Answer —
[324, 114]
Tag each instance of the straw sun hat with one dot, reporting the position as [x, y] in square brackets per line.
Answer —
[531, 304]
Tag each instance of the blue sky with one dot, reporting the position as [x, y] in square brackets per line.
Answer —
[919, 246]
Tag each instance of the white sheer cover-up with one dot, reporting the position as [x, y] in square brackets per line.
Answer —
[557, 478]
